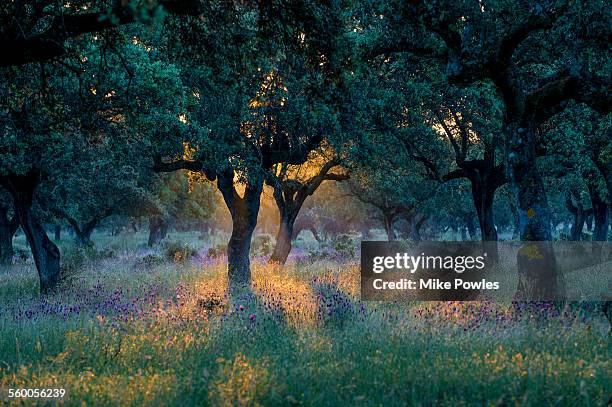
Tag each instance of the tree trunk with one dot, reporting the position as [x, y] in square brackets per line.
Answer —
[577, 225]
[305, 222]
[589, 221]
[45, 252]
[516, 230]
[579, 214]
[315, 233]
[415, 223]
[483, 194]
[601, 215]
[471, 228]
[57, 233]
[82, 238]
[83, 233]
[158, 228]
[6, 238]
[283, 239]
[388, 221]
[288, 208]
[244, 211]
[537, 264]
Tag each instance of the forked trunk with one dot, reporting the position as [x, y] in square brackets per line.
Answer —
[82, 239]
[577, 225]
[415, 223]
[83, 233]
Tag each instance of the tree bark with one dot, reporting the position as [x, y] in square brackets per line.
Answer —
[45, 252]
[83, 238]
[289, 198]
[537, 264]
[8, 227]
[483, 194]
[579, 214]
[415, 223]
[283, 239]
[158, 228]
[290, 195]
[388, 221]
[516, 230]
[244, 211]
[83, 233]
[601, 214]
[305, 222]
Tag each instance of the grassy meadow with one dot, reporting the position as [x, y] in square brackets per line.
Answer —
[139, 326]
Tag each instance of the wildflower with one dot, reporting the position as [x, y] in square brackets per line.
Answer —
[252, 317]
[241, 307]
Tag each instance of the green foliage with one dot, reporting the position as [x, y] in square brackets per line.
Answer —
[178, 252]
[344, 244]
[185, 198]
[77, 257]
[262, 245]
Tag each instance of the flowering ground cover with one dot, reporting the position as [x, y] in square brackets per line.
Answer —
[132, 332]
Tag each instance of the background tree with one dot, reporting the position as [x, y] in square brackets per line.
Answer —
[292, 185]
[185, 200]
[100, 183]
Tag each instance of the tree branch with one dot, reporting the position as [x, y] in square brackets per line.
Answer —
[451, 138]
[50, 43]
[182, 164]
[455, 174]
[549, 99]
[538, 20]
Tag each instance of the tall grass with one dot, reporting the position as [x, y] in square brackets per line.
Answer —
[127, 333]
